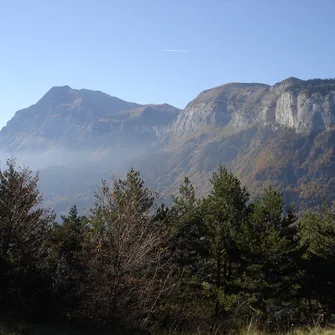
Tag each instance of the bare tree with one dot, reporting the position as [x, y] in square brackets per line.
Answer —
[127, 252]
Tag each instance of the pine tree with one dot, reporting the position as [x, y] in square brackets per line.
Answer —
[223, 213]
[67, 261]
[271, 253]
[184, 222]
[317, 236]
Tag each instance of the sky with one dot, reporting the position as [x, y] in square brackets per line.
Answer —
[156, 51]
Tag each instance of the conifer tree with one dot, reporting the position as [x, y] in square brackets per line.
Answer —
[223, 213]
[317, 236]
[271, 253]
[67, 260]
[184, 220]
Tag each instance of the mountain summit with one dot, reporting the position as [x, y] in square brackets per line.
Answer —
[68, 118]
[307, 106]
[282, 134]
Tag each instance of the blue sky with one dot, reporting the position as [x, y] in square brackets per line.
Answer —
[121, 46]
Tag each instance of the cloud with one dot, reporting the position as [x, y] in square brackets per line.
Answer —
[176, 50]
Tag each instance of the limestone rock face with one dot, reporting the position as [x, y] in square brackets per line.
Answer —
[234, 103]
[306, 106]
[282, 134]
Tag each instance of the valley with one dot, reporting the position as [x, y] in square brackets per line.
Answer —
[281, 135]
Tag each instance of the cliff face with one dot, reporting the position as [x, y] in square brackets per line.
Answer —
[70, 118]
[306, 106]
[282, 134]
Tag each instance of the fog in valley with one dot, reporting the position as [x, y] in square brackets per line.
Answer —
[69, 177]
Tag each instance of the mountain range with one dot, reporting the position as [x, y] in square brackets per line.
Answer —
[282, 134]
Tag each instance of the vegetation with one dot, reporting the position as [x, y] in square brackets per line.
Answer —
[206, 265]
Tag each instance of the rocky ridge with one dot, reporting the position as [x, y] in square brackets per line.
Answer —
[72, 119]
[306, 106]
[282, 134]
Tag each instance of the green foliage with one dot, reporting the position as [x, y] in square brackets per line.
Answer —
[318, 237]
[24, 229]
[270, 251]
[201, 265]
[184, 220]
[223, 212]
[125, 255]
[66, 261]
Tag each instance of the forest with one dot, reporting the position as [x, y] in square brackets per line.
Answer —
[209, 265]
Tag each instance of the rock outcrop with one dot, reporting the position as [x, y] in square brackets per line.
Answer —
[70, 118]
[306, 106]
[282, 134]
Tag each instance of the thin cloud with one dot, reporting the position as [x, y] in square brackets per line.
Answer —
[176, 50]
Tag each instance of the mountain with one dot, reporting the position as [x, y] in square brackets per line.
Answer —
[80, 119]
[76, 137]
[282, 134]
[306, 106]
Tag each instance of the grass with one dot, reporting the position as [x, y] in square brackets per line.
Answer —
[248, 331]
[252, 331]
[299, 331]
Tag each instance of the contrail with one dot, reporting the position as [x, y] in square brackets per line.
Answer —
[176, 50]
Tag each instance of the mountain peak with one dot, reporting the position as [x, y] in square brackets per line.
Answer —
[241, 105]
[66, 117]
[291, 81]
[58, 94]
[59, 89]
[232, 85]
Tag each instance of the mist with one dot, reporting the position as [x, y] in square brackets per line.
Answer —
[70, 177]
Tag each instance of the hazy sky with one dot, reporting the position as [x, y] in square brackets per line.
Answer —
[158, 50]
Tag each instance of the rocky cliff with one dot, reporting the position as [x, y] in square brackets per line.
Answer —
[72, 119]
[306, 106]
[282, 134]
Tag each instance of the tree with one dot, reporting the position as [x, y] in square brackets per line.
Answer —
[67, 261]
[271, 253]
[184, 219]
[24, 226]
[317, 236]
[126, 251]
[223, 211]
[182, 223]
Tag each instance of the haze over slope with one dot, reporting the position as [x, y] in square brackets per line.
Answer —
[77, 137]
[282, 134]
[70, 118]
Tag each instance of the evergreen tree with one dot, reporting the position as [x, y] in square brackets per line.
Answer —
[183, 222]
[184, 219]
[269, 246]
[67, 260]
[223, 211]
[317, 236]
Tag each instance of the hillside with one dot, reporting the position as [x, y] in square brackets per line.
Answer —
[282, 134]
[66, 118]
[76, 137]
